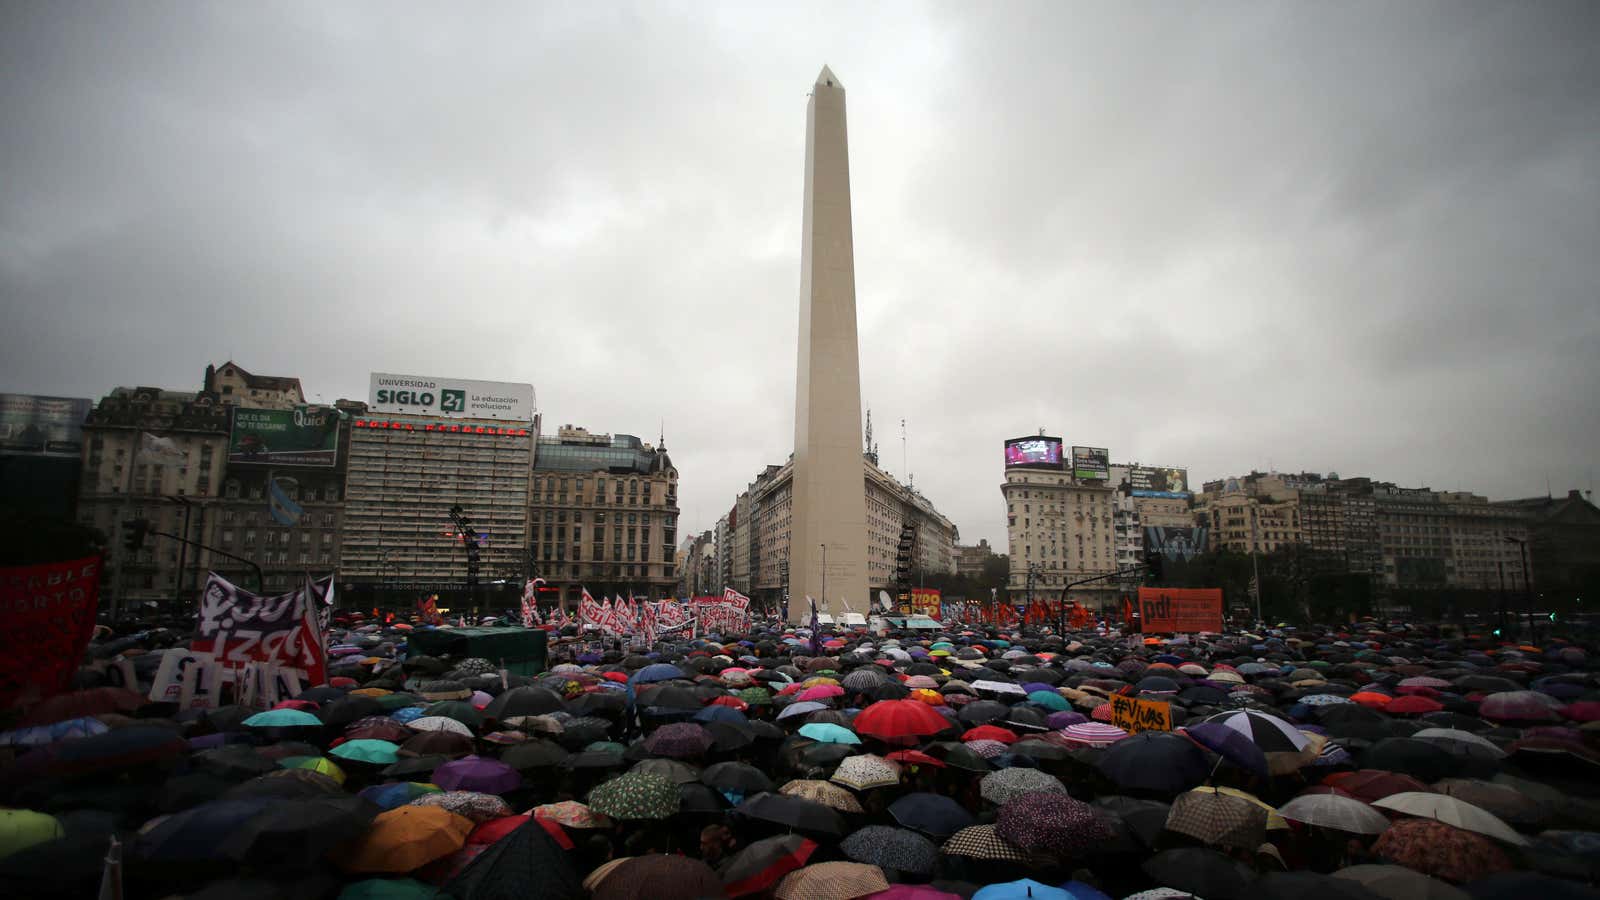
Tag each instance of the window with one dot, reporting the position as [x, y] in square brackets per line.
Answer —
[227, 535]
[330, 494]
[305, 538]
[249, 536]
[325, 558]
[304, 557]
[327, 520]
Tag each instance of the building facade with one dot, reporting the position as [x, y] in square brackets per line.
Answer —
[1060, 530]
[971, 558]
[604, 515]
[405, 473]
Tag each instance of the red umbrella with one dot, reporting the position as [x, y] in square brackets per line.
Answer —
[760, 865]
[1372, 699]
[899, 721]
[1374, 784]
[1413, 705]
[76, 705]
[990, 733]
[1434, 848]
[495, 829]
[915, 757]
[731, 702]
[1585, 711]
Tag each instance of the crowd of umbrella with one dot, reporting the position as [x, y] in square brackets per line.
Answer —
[1353, 764]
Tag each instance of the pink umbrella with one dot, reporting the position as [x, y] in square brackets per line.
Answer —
[821, 692]
[912, 892]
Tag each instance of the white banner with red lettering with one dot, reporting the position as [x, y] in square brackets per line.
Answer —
[238, 627]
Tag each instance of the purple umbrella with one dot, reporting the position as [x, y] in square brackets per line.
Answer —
[1230, 745]
[1060, 720]
[478, 774]
[679, 740]
[1052, 823]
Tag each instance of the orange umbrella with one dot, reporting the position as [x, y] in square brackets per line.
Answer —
[406, 838]
[1372, 699]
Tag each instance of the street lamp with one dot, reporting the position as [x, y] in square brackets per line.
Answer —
[1527, 587]
[824, 576]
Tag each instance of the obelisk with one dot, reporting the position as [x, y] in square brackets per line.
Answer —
[828, 524]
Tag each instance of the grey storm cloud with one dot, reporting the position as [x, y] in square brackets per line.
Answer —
[1358, 237]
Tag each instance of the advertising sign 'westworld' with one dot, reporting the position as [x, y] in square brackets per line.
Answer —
[1037, 452]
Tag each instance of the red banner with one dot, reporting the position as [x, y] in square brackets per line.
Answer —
[1180, 609]
[48, 611]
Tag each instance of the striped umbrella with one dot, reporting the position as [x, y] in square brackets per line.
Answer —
[1093, 733]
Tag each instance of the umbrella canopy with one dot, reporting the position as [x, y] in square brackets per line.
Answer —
[1371, 784]
[828, 733]
[526, 863]
[1157, 761]
[793, 812]
[736, 776]
[1335, 811]
[760, 865]
[283, 718]
[1008, 784]
[394, 794]
[1451, 811]
[865, 772]
[899, 721]
[1229, 744]
[1401, 883]
[1441, 850]
[404, 839]
[367, 751]
[931, 814]
[679, 740]
[824, 792]
[1219, 819]
[471, 805]
[831, 881]
[658, 875]
[23, 828]
[1202, 872]
[982, 842]
[635, 795]
[1270, 733]
[297, 833]
[892, 848]
[477, 773]
[572, 814]
[1308, 886]
[1050, 822]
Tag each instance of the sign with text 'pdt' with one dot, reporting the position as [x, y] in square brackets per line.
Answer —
[451, 398]
[1134, 715]
[1180, 609]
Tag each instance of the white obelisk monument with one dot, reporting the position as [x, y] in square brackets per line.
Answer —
[828, 537]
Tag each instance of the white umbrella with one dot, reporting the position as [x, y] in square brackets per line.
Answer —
[998, 687]
[1334, 811]
[1449, 810]
[438, 723]
[1461, 743]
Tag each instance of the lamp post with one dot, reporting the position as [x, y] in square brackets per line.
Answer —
[824, 577]
[183, 549]
[1527, 586]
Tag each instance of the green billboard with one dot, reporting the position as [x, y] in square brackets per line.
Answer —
[303, 436]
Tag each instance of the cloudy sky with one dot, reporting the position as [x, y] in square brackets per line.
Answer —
[1352, 236]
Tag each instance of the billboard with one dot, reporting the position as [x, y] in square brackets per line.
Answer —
[1091, 462]
[1158, 481]
[451, 398]
[1175, 544]
[42, 426]
[926, 602]
[303, 436]
[1035, 452]
[1180, 609]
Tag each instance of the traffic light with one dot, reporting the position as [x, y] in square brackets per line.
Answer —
[1497, 632]
[133, 534]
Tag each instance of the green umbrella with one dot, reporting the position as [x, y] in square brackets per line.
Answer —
[389, 889]
[283, 718]
[392, 702]
[756, 696]
[461, 711]
[636, 795]
[607, 746]
[22, 828]
[367, 751]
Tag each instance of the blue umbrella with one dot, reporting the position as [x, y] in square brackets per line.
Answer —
[800, 709]
[829, 733]
[720, 714]
[198, 834]
[1026, 889]
[1230, 745]
[657, 672]
[283, 718]
[933, 814]
[406, 714]
[87, 726]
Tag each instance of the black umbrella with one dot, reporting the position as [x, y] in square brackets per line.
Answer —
[1310, 886]
[535, 754]
[1145, 818]
[197, 835]
[299, 832]
[933, 814]
[982, 712]
[959, 756]
[1423, 759]
[237, 761]
[524, 701]
[1157, 761]
[285, 784]
[341, 713]
[525, 863]
[599, 703]
[793, 812]
[191, 790]
[731, 735]
[1200, 871]
[695, 797]
[670, 696]
[409, 766]
[736, 776]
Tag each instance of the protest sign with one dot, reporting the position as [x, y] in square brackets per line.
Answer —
[1180, 609]
[167, 686]
[202, 685]
[238, 627]
[1134, 715]
[49, 612]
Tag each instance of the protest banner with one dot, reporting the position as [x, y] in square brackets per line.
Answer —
[238, 627]
[49, 612]
[202, 685]
[167, 686]
[1180, 609]
[1134, 715]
